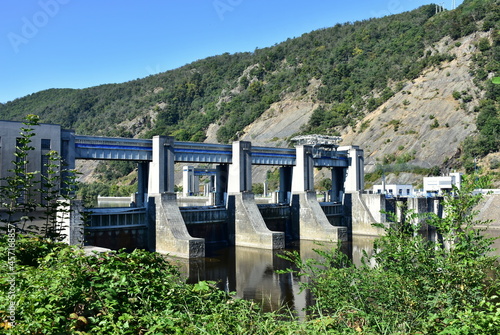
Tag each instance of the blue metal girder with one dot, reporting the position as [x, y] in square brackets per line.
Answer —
[91, 147]
[339, 161]
[273, 156]
[108, 148]
[191, 152]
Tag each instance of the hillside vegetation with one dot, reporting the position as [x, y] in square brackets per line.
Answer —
[338, 77]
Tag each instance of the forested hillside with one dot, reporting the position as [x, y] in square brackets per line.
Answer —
[355, 67]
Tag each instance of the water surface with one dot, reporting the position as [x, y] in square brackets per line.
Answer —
[252, 273]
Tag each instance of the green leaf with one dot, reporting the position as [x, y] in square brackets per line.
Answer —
[201, 286]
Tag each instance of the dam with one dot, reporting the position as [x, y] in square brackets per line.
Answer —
[156, 222]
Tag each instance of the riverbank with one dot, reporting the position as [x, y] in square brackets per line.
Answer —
[59, 289]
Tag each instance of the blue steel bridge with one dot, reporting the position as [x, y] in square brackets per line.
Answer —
[103, 148]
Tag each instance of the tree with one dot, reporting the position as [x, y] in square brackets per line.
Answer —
[258, 188]
[17, 202]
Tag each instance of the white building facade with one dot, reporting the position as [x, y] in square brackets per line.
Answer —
[443, 184]
[396, 190]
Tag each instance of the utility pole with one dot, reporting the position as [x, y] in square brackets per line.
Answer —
[439, 8]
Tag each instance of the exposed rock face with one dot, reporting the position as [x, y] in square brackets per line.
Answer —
[279, 123]
[423, 120]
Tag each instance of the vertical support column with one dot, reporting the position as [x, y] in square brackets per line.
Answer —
[399, 211]
[240, 171]
[170, 234]
[419, 206]
[142, 182]
[250, 230]
[211, 184]
[68, 148]
[338, 178]
[68, 154]
[303, 171]
[313, 223]
[285, 184]
[187, 181]
[355, 178]
[162, 167]
[437, 208]
[221, 179]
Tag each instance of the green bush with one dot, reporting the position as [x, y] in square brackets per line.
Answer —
[412, 284]
[66, 292]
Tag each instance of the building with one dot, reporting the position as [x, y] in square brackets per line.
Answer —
[394, 190]
[443, 184]
[46, 137]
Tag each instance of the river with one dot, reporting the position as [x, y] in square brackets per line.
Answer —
[251, 273]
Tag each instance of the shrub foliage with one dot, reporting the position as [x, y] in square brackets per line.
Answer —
[412, 284]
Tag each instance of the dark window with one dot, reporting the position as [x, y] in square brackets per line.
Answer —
[45, 144]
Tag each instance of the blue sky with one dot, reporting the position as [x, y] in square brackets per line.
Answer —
[81, 43]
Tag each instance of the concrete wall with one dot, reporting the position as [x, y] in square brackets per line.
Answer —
[170, 234]
[366, 209]
[313, 223]
[10, 131]
[250, 229]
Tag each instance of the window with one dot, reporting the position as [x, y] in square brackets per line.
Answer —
[45, 144]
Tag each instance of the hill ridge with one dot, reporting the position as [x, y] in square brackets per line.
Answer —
[331, 81]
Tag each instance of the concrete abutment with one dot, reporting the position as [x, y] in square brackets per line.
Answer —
[170, 234]
[313, 223]
[250, 229]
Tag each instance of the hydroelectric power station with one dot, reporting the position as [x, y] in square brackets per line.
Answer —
[156, 222]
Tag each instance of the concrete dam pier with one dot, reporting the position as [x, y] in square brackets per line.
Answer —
[156, 222]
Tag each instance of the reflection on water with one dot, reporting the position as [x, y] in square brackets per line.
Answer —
[251, 273]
